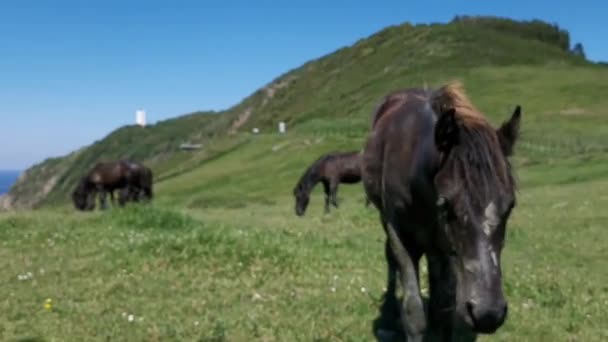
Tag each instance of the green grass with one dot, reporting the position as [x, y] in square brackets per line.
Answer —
[258, 272]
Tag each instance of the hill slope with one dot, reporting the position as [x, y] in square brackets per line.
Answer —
[502, 63]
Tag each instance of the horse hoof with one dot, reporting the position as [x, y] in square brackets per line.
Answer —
[385, 334]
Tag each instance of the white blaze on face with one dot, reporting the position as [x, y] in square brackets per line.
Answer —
[473, 266]
[491, 219]
[489, 225]
[494, 259]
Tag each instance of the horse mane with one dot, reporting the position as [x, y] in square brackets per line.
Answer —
[478, 156]
[453, 95]
[311, 175]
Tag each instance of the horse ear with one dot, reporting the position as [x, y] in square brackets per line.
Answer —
[446, 131]
[509, 132]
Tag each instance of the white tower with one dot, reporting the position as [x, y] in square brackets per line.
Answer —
[140, 117]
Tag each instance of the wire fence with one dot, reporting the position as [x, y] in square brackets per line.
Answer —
[570, 147]
[545, 146]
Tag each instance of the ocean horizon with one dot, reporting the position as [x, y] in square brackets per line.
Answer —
[7, 179]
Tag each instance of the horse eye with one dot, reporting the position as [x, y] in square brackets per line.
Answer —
[441, 202]
[443, 208]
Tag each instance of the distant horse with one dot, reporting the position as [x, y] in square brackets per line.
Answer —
[330, 169]
[106, 177]
[439, 175]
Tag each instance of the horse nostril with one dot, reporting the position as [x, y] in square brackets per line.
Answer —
[486, 319]
[505, 310]
[469, 306]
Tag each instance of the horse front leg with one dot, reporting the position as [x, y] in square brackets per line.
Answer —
[333, 189]
[387, 322]
[136, 194]
[413, 316]
[91, 199]
[149, 193]
[327, 195]
[112, 200]
[102, 200]
[442, 297]
[123, 196]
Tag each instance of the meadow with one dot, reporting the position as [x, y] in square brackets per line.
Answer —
[227, 263]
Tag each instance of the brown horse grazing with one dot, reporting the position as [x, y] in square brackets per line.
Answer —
[438, 173]
[330, 169]
[105, 177]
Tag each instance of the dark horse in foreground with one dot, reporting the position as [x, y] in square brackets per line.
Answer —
[439, 175]
[131, 178]
[330, 169]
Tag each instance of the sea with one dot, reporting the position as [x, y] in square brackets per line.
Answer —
[7, 179]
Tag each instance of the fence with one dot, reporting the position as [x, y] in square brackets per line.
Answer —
[569, 146]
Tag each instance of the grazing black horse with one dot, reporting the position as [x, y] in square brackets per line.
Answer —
[439, 175]
[105, 177]
[330, 169]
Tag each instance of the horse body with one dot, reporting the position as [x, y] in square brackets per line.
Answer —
[437, 172]
[330, 169]
[103, 178]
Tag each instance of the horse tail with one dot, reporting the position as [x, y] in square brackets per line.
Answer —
[149, 181]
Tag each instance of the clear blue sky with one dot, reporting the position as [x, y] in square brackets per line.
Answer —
[72, 71]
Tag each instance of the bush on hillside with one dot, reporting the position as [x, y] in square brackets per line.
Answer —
[534, 29]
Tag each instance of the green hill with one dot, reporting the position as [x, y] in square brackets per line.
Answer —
[502, 62]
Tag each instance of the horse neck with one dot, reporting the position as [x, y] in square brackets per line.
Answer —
[84, 184]
[310, 178]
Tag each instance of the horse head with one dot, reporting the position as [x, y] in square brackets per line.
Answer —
[81, 196]
[302, 199]
[475, 196]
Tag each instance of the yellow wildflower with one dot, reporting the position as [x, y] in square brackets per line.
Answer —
[48, 304]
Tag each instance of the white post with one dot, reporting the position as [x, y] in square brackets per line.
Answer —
[281, 127]
[140, 117]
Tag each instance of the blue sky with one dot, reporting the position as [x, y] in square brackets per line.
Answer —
[73, 71]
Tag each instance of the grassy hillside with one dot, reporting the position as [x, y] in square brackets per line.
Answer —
[335, 93]
[220, 254]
